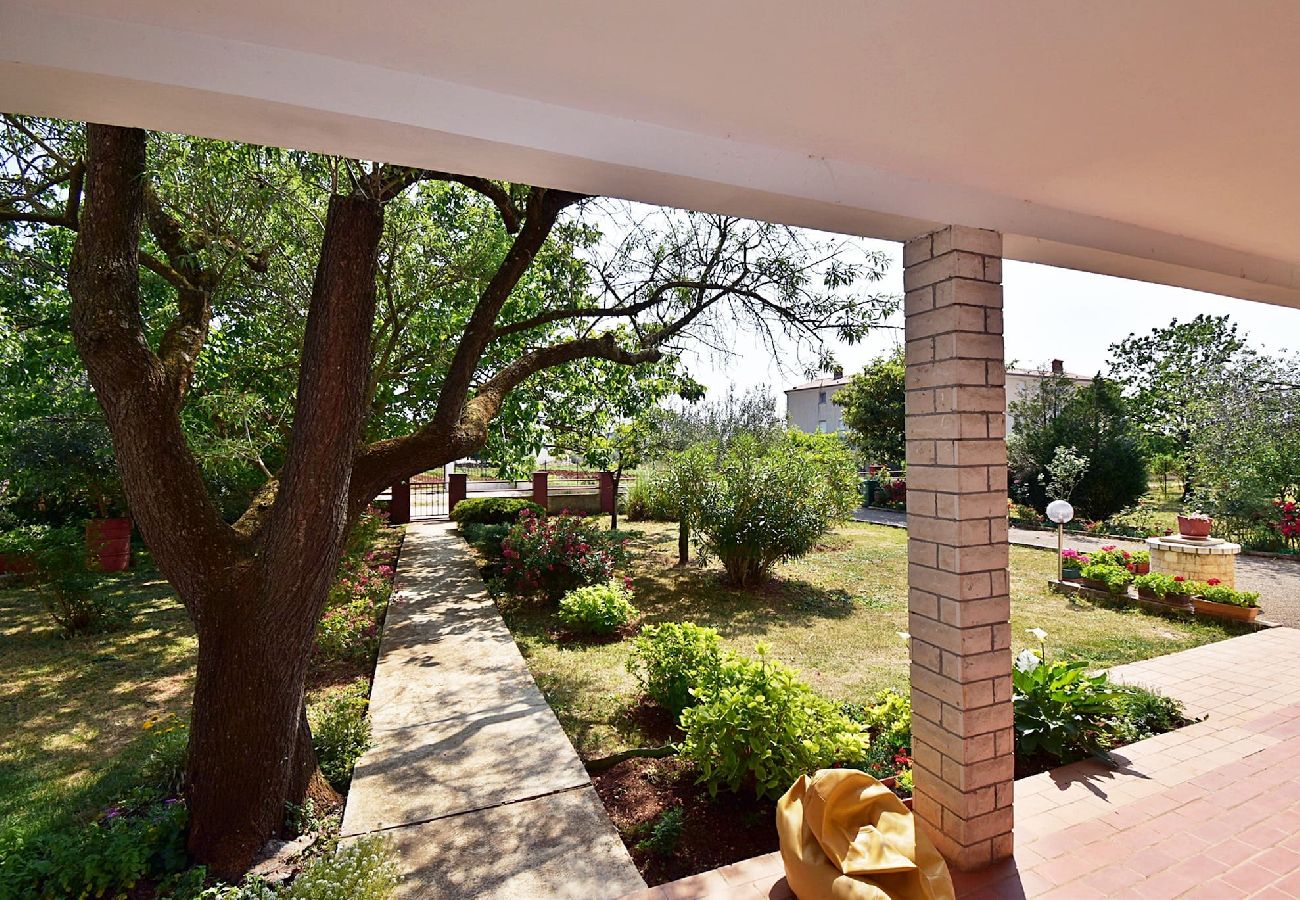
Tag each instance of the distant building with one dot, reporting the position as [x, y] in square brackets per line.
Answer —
[1021, 382]
[809, 406]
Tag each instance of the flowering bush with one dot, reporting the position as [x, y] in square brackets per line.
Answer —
[1288, 521]
[349, 629]
[598, 608]
[1073, 559]
[554, 554]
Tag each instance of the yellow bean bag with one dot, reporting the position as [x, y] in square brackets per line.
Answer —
[846, 836]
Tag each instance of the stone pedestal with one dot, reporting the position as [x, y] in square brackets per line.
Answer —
[1195, 560]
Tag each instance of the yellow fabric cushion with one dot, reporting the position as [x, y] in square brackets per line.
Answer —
[845, 836]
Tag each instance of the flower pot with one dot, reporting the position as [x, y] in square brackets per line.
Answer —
[108, 544]
[1225, 610]
[1070, 573]
[1094, 584]
[1140, 568]
[1189, 527]
[1172, 601]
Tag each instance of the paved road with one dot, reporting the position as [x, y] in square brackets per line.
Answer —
[1277, 580]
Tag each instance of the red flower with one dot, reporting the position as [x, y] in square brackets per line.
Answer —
[1179, 578]
[1213, 581]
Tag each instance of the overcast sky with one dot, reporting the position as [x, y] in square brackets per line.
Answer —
[1049, 313]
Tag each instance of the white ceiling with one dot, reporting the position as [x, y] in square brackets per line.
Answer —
[1155, 140]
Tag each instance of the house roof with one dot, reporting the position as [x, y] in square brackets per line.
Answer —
[818, 384]
[1044, 373]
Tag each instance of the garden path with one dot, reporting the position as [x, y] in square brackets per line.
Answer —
[1276, 580]
[470, 775]
[1208, 811]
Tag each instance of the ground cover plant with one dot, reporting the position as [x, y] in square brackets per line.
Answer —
[91, 793]
[834, 617]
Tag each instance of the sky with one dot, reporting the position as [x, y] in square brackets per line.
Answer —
[1049, 313]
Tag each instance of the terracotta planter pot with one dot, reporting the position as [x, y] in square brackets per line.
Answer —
[1194, 528]
[892, 782]
[1225, 610]
[1141, 568]
[1171, 601]
[108, 544]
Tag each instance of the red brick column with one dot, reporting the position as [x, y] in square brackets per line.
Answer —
[958, 603]
[399, 508]
[607, 498]
[457, 488]
[539, 490]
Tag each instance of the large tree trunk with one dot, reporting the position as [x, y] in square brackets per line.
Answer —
[250, 753]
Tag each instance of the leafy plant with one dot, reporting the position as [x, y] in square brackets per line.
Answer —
[1060, 709]
[364, 869]
[1116, 578]
[1144, 713]
[1161, 585]
[773, 502]
[665, 834]
[340, 731]
[888, 720]
[554, 554]
[1218, 593]
[597, 608]
[760, 725]
[72, 596]
[492, 510]
[1064, 472]
[672, 659]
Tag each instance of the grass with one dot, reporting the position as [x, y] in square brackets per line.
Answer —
[834, 615]
[72, 710]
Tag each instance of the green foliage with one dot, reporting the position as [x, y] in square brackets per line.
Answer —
[1060, 709]
[772, 502]
[665, 834]
[759, 726]
[349, 629]
[1219, 593]
[888, 720]
[487, 538]
[340, 731]
[873, 403]
[1116, 578]
[1064, 472]
[597, 608]
[554, 554]
[653, 498]
[1161, 585]
[105, 858]
[74, 598]
[1092, 424]
[365, 869]
[1143, 713]
[492, 510]
[671, 659]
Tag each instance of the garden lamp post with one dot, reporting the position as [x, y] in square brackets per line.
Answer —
[1060, 512]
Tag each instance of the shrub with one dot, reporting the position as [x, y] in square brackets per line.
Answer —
[1116, 578]
[671, 659]
[72, 596]
[349, 628]
[1060, 709]
[492, 510]
[653, 498]
[888, 720]
[666, 833]
[597, 608]
[162, 772]
[340, 731]
[487, 538]
[759, 724]
[772, 502]
[1143, 713]
[554, 554]
[105, 858]
[365, 869]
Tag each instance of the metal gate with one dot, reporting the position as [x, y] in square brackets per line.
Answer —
[429, 496]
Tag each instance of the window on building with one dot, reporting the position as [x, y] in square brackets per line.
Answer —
[821, 397]
[821, 426]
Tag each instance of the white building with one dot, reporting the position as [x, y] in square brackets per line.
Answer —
[810, 407]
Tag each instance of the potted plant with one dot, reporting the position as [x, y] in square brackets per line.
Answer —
[1214, 599]
[1139, 563]
[1194, 525]
[1167, 590]
[1106, 577]
[1072, 563]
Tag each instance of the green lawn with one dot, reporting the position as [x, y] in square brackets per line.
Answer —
[69, 708]
[835, 615]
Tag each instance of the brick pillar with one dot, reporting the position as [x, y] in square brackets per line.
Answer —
[958, 603]
[607, 498]
[399, 508]
[457, 488]
[539, 490]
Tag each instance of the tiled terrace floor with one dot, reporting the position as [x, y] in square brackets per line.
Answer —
[1209, 811]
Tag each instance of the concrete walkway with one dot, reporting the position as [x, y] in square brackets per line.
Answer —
[1208, 811]
[470, 775]
[1276, 580]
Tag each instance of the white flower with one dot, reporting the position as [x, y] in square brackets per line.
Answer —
[1038, 633]
[1027, 661]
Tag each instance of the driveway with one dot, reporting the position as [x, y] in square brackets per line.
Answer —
[1276, 580]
